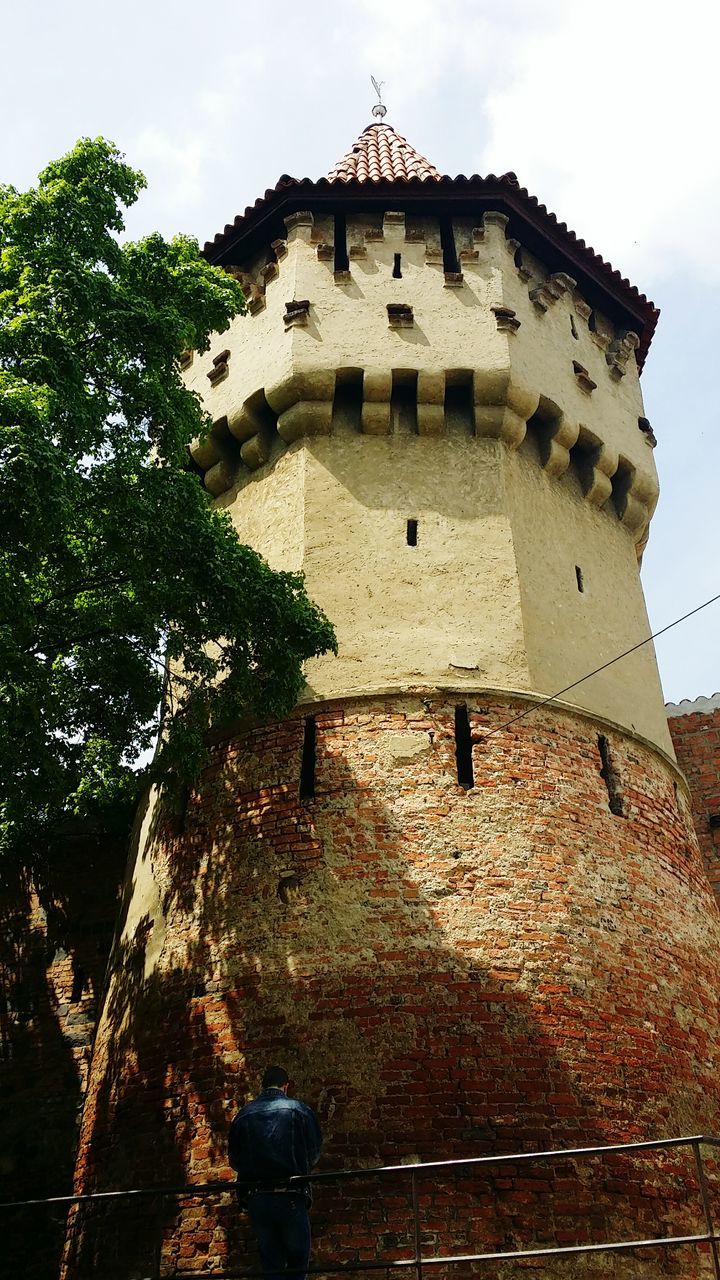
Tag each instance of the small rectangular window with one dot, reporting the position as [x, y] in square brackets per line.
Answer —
[610, 778]
[412, 528]
[342, 262]
[463, 748]
[579, 577]
[397, 273]
[307, 763]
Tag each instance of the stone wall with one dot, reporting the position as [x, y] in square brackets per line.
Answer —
[445, 971]
[695, 731]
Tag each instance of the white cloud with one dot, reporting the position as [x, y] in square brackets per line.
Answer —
[609, 115]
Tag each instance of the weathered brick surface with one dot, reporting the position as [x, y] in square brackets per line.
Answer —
[55, 933]
[696, 738]
[445, 973]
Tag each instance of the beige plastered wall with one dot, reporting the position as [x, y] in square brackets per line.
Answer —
[489, 597]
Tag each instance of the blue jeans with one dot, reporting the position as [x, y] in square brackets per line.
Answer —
[282, 1228]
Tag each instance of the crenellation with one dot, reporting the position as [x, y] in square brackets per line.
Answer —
[299, 226]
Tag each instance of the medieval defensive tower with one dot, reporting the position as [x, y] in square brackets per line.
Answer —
[469, 920]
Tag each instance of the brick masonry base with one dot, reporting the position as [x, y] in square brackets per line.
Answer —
[696, 739]
[445, 973]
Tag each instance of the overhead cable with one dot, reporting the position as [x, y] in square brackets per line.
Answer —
[551, 698]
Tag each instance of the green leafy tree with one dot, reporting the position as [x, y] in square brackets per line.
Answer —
[114, 567]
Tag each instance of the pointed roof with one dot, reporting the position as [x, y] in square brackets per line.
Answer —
[381, 154]
[382, 170]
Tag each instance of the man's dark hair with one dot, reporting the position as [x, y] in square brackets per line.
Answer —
[275, 1078]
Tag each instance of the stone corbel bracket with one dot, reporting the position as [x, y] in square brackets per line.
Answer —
[375, 411]
[636, 499]
[220, 369]
[548, 292]
[303, 403]
[216, 455]
[297, 313]
[597, 464]
[430, 403]
[560, 436]
[502, 406]
[619, 352]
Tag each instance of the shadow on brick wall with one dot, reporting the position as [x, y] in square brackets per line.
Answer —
[56, 928]
[437, 986]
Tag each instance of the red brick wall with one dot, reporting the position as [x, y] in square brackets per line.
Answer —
[696, 738]
[445, 973]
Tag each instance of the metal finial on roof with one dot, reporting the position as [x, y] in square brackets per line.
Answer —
[379, 110]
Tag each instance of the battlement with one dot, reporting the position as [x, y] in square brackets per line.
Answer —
[370, 302]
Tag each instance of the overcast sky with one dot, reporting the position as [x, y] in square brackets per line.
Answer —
[608, 113]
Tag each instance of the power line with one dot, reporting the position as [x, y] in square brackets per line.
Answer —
[551, 698]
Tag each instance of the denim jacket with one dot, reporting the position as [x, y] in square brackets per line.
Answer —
[272, 1138]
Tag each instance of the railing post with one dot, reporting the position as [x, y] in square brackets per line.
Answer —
[416, 1227]
[157, 1257]
[702, 1182]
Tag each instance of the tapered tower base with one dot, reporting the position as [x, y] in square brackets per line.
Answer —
[446, 970]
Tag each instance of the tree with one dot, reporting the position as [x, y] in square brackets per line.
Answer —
[114, 567]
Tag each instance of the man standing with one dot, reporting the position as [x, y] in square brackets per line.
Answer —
[271, 1140]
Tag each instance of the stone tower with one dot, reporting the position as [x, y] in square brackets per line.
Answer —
[467, 910]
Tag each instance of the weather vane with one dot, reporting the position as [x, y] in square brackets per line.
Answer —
[379, 110]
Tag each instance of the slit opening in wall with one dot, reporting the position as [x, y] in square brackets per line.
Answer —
[463, 748]
[412, 532]
[451, 266]
[78, 985]
[609, 777]
[397, 270]
[342, 262]
[579, 578]
[573, 328]
[307, 762]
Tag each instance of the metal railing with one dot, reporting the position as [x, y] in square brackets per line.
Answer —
[418, 1260]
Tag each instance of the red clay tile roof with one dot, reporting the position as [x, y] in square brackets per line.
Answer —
[382, 154]
[381, 165]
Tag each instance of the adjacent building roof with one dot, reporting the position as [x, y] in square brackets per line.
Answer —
[381, 153]
[382, 167]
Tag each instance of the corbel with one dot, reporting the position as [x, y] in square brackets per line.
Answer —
[375, 411]
[430, 403]
[649, 434]
[582, 377]
[400, 315]
[297, 313]
[220, 368]
[506, 319]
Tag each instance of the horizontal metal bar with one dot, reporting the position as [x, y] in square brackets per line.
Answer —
[453, 1259]
[338, 1175]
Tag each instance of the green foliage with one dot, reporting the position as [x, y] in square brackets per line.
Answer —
[114, 568]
